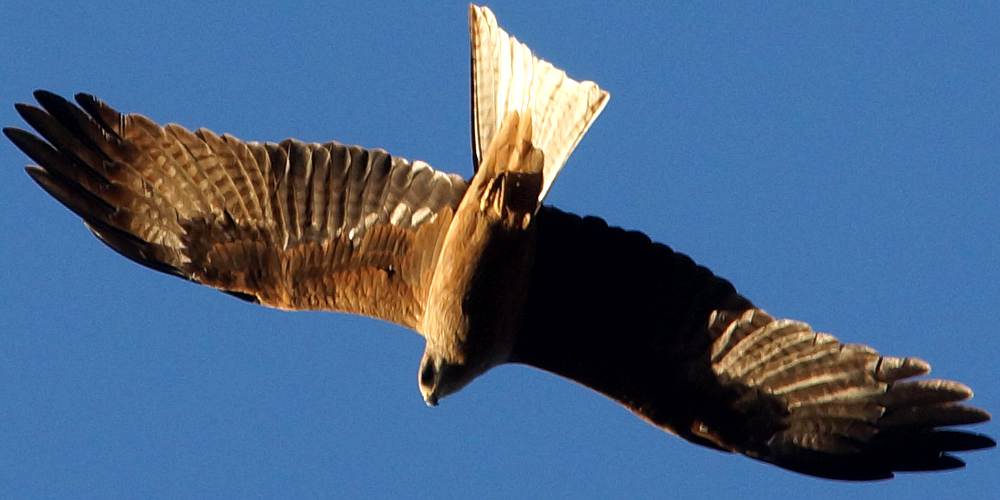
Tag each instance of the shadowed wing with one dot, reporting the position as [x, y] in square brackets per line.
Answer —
[289, 225]
[678, 346]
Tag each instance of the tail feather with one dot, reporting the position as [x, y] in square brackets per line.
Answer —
[508, 78]
[836, 410]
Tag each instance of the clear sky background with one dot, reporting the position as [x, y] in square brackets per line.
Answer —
[840, 165]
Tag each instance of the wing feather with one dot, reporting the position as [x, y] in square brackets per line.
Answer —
[289, 225]
[678, 346]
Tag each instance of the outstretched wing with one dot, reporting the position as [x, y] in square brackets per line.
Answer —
[289, 225]
[508, 78]
[679, 347]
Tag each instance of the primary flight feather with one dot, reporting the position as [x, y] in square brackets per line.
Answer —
[488, 275]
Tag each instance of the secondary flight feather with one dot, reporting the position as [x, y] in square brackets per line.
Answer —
[489, 275]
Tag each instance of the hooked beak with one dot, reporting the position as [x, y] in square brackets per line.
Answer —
[431, 400]
[430, 376]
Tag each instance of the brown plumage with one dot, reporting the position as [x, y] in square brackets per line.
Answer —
[677, 345]
[488, 275]
[290, 225]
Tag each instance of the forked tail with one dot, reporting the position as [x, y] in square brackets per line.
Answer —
[507, 78]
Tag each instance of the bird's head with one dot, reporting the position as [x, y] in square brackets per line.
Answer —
[439, 377]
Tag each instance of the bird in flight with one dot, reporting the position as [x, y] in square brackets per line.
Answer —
[488, 274]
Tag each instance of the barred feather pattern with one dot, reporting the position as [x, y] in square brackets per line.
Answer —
[507, 78]
[290, 225]
[844, 410]
[678, 346]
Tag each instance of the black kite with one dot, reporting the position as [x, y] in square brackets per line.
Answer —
[489, 275]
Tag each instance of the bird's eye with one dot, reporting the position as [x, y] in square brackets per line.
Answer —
[427, 374]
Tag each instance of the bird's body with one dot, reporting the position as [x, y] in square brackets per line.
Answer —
[476, 300]
[489, 275]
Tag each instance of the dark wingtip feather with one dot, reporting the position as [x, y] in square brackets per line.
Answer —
[86, 100]
[10, 132]
[967, 441]
[100, 111]
[94, 213]
[69, 115]
[940, 462]
[89, 103]
[28, 112]
[874, 467]
[120, 241]
[43, 96]
[932, 416]
[37, 174]
[947, 440]
[53, 103]
[33, 171]
[21, 138]
[36, 149]
[830, 429]
[132, 248]
[840, 470]
[15, 134]
[80, 201]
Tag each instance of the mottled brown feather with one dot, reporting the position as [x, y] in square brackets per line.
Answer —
[333, 227]
[290, 225]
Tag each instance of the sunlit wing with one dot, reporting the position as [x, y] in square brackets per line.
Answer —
[507, 77]
[678, 346]
[289, 225]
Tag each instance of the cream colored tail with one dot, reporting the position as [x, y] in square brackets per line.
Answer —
[508, 78]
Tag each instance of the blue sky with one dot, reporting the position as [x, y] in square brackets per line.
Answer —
[839, 164]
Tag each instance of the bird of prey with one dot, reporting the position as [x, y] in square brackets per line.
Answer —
[488, 275]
